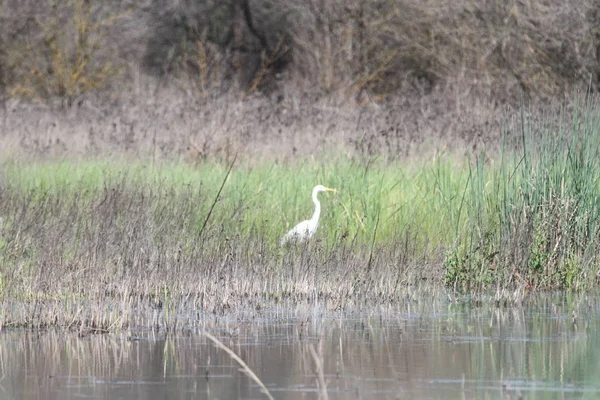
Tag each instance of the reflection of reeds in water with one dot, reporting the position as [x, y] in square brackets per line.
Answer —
[245, 368]
[318, 358]
[355, 355]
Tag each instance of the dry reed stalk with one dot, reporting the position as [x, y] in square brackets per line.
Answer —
[245, 368]
[212, 207]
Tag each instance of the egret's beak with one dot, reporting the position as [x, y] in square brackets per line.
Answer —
[331, 190]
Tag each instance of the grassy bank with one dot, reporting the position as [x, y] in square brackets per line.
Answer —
[109, 244]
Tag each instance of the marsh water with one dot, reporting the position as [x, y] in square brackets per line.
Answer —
[547, 348]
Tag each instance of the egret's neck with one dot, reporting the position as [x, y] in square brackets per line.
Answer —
[317, 212]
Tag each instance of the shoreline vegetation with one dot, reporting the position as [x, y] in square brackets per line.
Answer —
[464, 156]
[101, 244]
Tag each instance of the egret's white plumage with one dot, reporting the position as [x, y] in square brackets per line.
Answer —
[305, 229]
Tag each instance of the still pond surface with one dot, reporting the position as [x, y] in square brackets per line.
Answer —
[548, 348]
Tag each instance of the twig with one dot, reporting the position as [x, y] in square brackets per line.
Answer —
[245, 369]
[370, 262]
[217, 196]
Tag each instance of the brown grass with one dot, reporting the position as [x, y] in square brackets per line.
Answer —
[170, 127]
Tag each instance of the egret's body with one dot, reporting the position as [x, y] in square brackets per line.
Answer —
[305, 229]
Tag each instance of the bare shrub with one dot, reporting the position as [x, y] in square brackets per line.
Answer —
[535, 48]
[60, 53]
[371, 49]
[366, 50]
[217, 42]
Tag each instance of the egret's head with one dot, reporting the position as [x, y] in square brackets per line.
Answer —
[321, 188]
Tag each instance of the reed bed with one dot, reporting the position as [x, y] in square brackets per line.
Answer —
[111, 244]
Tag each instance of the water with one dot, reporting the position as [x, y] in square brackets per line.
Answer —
[547, 349]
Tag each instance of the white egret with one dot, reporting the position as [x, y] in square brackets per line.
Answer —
[305, 229]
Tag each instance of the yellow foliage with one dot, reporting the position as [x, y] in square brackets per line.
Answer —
[64, 63]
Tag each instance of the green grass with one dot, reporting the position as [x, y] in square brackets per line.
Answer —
[271, 198]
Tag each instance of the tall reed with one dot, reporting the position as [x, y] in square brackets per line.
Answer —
[532, 213]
